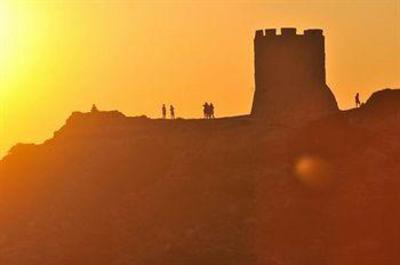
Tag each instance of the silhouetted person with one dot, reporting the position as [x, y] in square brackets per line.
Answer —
[212, 111]
[206, 110]
[357, 99]
[172, 112]
[164, 111]
[94, 109]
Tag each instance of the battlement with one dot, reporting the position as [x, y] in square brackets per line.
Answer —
[288, 32]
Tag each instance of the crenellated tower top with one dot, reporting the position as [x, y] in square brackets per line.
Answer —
[288, 32]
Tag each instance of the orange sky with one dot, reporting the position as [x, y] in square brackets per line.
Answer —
[61, 56]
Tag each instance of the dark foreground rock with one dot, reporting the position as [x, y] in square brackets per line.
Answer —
[109, 189]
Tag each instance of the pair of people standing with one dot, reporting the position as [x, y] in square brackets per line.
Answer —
[208, 110]
[171, 111]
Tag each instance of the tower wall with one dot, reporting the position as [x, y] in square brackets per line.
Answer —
[290, 74]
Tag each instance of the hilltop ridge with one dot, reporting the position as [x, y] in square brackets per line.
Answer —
[296, 182]
[111, 189]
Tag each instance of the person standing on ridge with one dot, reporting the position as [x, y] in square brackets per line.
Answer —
[172, 112]
[212, 111]
[206, 110]
[164, 111]
[357, 99]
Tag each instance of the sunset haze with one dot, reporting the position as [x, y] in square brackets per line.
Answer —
[61, 56]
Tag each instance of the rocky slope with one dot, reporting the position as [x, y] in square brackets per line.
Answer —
[110, 189]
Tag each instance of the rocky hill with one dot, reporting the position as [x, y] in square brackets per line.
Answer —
[114, 190]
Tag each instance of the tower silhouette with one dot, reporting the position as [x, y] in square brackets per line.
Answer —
[290, 75]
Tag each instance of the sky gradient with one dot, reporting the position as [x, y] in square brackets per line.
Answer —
[61, 56]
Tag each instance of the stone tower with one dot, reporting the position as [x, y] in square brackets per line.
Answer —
[290, 76]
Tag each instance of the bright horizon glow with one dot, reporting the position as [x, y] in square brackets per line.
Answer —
[60, 56]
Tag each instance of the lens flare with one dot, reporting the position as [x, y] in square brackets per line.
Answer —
[314, 171]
